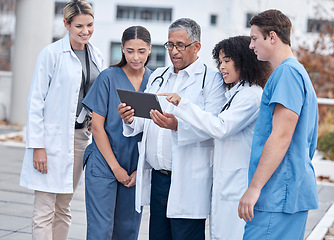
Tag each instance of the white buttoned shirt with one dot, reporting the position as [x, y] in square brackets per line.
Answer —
[159, 140]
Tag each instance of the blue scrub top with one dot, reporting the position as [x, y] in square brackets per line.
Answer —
[292, 187]
[103, 99]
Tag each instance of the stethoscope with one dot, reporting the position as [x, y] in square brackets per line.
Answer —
[161, 78]
[228, 104]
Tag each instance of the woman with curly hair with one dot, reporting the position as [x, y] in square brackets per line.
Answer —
[232, 129]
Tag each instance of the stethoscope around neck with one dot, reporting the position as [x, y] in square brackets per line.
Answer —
[161, 78]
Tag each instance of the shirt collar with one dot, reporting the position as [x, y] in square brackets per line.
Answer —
[192, 69]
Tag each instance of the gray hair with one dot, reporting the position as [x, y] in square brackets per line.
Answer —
[192, 28]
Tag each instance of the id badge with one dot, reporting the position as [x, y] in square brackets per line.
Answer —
[82, 115]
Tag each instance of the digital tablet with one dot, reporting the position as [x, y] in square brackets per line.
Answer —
[141, 102]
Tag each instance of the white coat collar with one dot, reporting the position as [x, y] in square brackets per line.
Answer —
[67, 45]
[236, 87]
[94, 55]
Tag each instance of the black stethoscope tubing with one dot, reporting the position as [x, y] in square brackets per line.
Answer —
[162, 78]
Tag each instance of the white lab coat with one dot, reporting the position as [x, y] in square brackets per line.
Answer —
[233, 131]
[191, 180]
[52, 106]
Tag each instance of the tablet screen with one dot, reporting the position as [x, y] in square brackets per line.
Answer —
[141, 102]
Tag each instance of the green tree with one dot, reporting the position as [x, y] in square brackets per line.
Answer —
[319, 63]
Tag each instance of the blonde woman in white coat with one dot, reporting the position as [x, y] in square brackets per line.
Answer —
[55, 141]
[232, 130]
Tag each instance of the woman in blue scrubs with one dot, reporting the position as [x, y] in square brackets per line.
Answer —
[111, 159]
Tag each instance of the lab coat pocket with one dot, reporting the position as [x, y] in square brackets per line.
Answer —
[201, 163]
[53, 139]
[233, 184]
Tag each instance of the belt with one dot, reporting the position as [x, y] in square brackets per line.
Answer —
[80, 125]
[165, 172]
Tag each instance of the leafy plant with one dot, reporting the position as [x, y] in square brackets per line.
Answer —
[326, 146]
[318, 61]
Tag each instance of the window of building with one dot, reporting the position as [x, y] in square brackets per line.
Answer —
[115, 53]
[157, 59]
[320, 26]
[5, 46]
[7, 6]
[144, 13]
[213, 19]
[248, 18]
[59, 8]
[7, 11]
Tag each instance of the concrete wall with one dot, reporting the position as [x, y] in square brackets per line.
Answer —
[32, 32]
[5, 94]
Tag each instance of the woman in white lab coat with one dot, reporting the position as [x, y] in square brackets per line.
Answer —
[55, 141]
[232, 130]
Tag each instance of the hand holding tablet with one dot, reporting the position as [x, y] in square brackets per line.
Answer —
[142, 103]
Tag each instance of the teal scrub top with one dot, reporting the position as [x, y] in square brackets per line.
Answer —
[292, 187]
[103, 99]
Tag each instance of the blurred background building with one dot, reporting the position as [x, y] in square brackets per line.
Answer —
[26, 26]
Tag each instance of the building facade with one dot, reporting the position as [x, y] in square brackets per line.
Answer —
[218, 19]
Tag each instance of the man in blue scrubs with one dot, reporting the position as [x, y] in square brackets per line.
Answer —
[282, 181]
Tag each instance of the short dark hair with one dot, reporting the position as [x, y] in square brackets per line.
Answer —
[251, 70]
[273, 20]
[134, 32]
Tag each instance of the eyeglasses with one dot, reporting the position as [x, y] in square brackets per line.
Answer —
[178, 47]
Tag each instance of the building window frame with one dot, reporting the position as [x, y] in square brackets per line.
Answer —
[143, 13]
[157, 58]
[213, 19]
[320, 26]
[248, 18]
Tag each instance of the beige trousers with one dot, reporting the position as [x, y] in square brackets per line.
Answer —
[52, 213]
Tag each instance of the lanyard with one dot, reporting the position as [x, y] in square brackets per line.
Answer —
[87, 80]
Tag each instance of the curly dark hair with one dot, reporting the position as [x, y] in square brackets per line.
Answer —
[251, 70]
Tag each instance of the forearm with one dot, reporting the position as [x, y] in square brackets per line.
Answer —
[284, 123]
[226, 123]
[283, 127]
[103, 144]
[213, 97]
[197, 117]
[272, 155]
